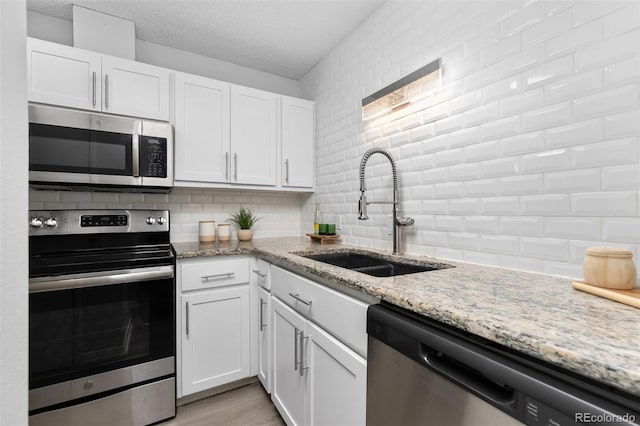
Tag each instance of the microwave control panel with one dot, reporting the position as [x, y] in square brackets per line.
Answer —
[153, 157]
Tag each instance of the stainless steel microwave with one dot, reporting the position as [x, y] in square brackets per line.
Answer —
[71, 149]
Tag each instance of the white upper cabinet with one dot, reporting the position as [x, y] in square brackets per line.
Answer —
[201, 129]
[297, 142]
[253, 136]
[65, 76]
[135, 89]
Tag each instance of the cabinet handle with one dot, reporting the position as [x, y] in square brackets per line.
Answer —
[260, 274]
[94, 88]
[226, 166]
[301, 300]
[303, 367]
[235, 167]
[262, 305]
[286, 168]
[187, 321]
[106, 91]
[223, 275]
[296, 333]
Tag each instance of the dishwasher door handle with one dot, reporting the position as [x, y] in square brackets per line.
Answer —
[498, 393]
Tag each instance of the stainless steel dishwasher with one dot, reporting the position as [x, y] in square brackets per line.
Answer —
[421, 372]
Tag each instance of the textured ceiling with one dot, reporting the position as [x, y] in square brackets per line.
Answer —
[286, 38]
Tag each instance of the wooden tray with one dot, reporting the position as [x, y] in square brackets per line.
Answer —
[324, 239]
[628, 297]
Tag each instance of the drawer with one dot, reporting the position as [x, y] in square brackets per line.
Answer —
[262, 273]
[342, 316]
[196, 274]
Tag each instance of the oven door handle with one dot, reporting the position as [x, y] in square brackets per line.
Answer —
[94, 279]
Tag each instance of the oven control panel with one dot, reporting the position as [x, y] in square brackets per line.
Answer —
[62, 222]
[104, 220]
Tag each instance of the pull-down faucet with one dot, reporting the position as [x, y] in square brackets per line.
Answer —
[362, 203]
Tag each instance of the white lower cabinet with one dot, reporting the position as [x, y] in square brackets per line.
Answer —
[214, 327]
[264, 338]
[317, 380]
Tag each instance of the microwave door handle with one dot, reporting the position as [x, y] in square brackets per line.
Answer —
[135, 150]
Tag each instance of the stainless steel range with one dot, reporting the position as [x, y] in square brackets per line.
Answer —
[101, 318]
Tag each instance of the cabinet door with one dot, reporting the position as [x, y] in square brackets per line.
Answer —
[215, 338]
[253, 136]
[288, 390]
[201, 129]
[135, 89]
[62, 75]
[264, 338]
[297, 142]
[337, 390]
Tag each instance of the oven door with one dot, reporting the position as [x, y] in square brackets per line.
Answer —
[91, 333]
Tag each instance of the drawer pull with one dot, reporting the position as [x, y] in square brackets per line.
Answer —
[300, 299]
[214, 276]
[258, 273]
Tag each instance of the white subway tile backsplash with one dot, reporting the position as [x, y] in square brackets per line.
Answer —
[621, 151]
[526, 101]
[609, 51]
[522, 144]
[525, 18]
[547, 73]
[618, 203]
[501, 89]
[538, 154]
[622, 124]
[550, 27]
[547, 161]
[466, 101]
[520, 185]
[621, 73]
[617, 178]
[562, 269]
[546, 205]
[587, 11]
[449, 223]
[573, 87]
[572, 181]
[482, 224]
[578, 247]
[479, 188]
[573, 228]
[626, 230]
[468, 136]
[481, 151]
[500, 206]
[482, 114]
[545, 248]
[623, 20]
[500, 128]
[578, 133]
[609, 102]
[499, 244]
[522, 225]
[544, 118]
[569, 42]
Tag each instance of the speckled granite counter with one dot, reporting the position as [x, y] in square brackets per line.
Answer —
[539, 315]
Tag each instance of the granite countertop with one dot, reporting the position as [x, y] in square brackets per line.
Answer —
[539, 315]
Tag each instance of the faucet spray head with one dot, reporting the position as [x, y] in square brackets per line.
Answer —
[362, 207]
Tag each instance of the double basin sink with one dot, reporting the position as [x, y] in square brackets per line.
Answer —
[373, 264]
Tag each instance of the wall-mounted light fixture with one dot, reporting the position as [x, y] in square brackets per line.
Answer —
[401, 93]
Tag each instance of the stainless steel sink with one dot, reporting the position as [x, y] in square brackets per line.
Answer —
[375, 265]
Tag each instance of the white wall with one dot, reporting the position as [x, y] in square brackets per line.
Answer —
[527, 156]
[61, 31]
[13, 214]
[280, 212]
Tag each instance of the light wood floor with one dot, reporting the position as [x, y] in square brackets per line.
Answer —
[246, 406]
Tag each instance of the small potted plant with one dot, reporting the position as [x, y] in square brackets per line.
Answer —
[244, 219]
